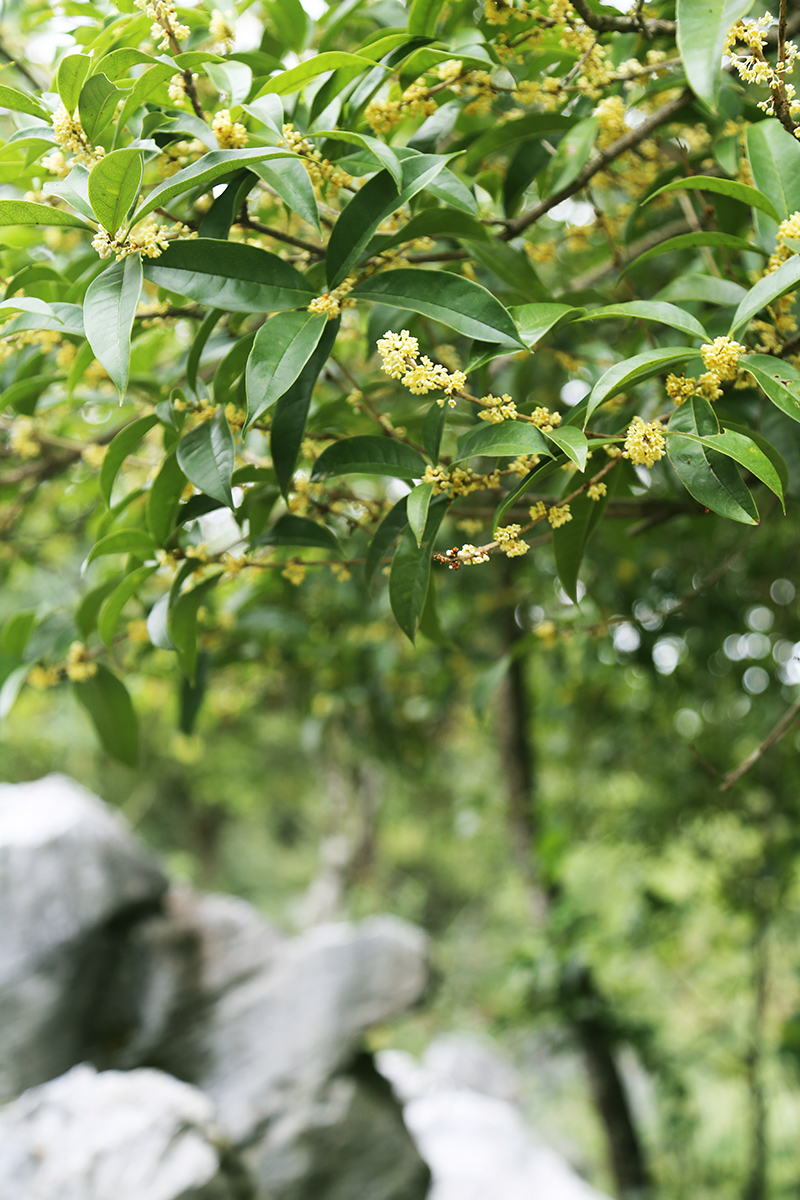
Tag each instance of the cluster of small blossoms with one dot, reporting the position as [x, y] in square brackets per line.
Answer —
[166, 27]
[680, 387]
[596, 491]
[721, 357]
[558, 515]
[93, 455]
[43, 677]
[150, 240]
[295, 572]
[644, 443]
[72, 140]
[398, 352]
[511, 543]
[788, 230]
[176, 89]
[221, 32]
[332, 303]
[753, 67]
[458, 482]
[610, 114]
[320, 169]
[499, 12]
[21, 439]
[545, 420]
[501, 408]
[78, 665]
[230, 135]
[416, 101]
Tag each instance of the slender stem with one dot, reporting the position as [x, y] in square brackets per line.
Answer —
[782, 727]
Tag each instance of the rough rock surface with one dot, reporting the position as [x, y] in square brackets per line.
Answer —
[71, 876]
[471, 1133]
[117, 1135]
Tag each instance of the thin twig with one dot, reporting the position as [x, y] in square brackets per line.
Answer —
[783, 726]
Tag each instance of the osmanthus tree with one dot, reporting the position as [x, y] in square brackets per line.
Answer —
[398, 291]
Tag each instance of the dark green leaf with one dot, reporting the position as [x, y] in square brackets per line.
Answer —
[535, 320]
[282, 347]
[114, 184]
[572, 442]
[15, 633]
[107, 702]
[21, 102]
[774, 157]
[291, 410]
[687, 241]
[206, 457]
[204, 173]
[390, 528]
[423, 17]
[650, 310]
[370, 456]
[779, 380]
[642, 366]
[108, 313]
[26, 212]
[199, 345]
[383, 153]
[118, 451]
[410, 573]
[124, 541]
[112, 606]
[70, 78]
[572, 154]
[290, 179]
[230, 275]
[163, 498]
[182, 624]
[705, 473]
[418, 503]
[97, 104]
[290, 530]
[333, 60]
[702, 28]
[506, 439]
[458, 303]
[767, 290]
[432, 430]
[722, 187]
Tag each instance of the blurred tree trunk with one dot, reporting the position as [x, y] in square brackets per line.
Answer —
[756, 1188]
[584, 1006]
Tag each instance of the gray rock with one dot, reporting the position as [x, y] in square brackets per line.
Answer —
[133, 1135]
[71, 875]
[476, 1143]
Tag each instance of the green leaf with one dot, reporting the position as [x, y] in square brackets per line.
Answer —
[507, 439]
[722, 187]
[767, 290]
[291, 410]
[687, 241]
[410, 573]
[290, 530]
[114, 184]
[118, 451]
[633, 370]
[774, 157]
[702, 28]
[290, 179]
[705, 473]
[70, 78]
[390, 528]
[572, 154]
[707, 289]
[148, 82]
[743, 450]
[74, 189]
[332, 60]
[384, 154]
[11, 687]
[26, 212]
[15, 633]
[204, 173]
[418, 503]
[435, 223]
[87, 611]
[282, 347]
[371, 205]
[182, 624]
[458, 303]
[423, 17]
[767, 449]
[163, 498]
[199, 345]
[229, 275]
[123, 541]
[107, 702]
[233, 78]
[206, 457]
[119, 62]
[112, 606]
[21, 102]
[432, 430]
[651, 310]
[108, 312]
[572, 442]
[535, 320]
[495, 139]
[370, 456]
[569, 541]
[97, 105]
[778, 379]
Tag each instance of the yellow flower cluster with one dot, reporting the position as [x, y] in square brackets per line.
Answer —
[788, 230]
[644, 443]
[399, 360]
[72, 140]
[230, 135]
[332, 303]
[320, 169]
[150, 240]
[166, 27]
[545, 420]
[221, 32]
[680, 387]
[558, 515]
[21, 439]
[511, 543]
[176, 89]
[596, 491]
[79, 666]
[502, 408]
[43, 677]
[458, 482]
[610, 114]
[753, 67]
[416, 100]
[721, 358]
[93, 455]
[472, 556]
[295, 572]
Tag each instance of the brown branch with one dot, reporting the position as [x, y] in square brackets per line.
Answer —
[783, 726]
[247, 222]
[635, 24]
[627, 142]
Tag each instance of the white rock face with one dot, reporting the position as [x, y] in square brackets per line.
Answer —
[470, 1132]
[68, 867]
[116, 1135]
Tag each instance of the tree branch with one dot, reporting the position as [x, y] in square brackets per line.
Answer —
[636, 24]
[783, 726]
